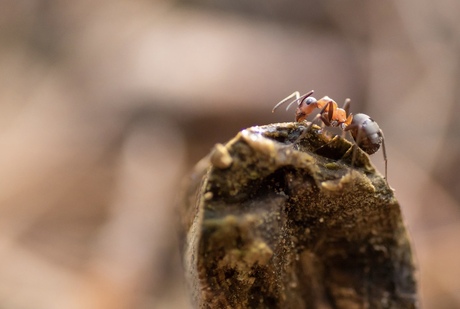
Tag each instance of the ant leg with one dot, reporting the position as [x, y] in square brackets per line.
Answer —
[385, 159]
[356, 141]
[329, 142]
[330, 112]
[320, 115]
[359, 136]
[302, 135]
[355, 149]
[346, 106]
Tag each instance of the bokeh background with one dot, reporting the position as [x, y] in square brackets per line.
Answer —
[106, 105]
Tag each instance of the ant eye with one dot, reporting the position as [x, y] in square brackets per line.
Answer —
[310, 100]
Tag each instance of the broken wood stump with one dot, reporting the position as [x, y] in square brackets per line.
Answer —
[269, 224]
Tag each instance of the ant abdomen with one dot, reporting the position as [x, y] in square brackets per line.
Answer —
[366, 133]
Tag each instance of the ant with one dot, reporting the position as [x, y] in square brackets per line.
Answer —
[365, 131]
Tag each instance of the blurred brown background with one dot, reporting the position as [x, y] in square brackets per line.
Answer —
[105, 106]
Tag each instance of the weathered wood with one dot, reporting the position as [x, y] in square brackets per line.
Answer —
[268, 224]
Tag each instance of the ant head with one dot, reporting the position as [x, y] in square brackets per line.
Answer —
[302, 101]
[306, 107]
[309, 100]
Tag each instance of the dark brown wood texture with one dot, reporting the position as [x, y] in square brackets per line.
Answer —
[270, 225]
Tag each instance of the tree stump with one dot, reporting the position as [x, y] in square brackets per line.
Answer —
[269, 224]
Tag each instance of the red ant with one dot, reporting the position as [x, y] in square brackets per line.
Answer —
[365, 131]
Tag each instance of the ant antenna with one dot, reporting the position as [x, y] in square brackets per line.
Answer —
[295, 94]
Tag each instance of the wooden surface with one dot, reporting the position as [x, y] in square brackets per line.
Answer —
[294, 226]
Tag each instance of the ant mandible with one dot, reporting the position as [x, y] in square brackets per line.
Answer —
[365, 131]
